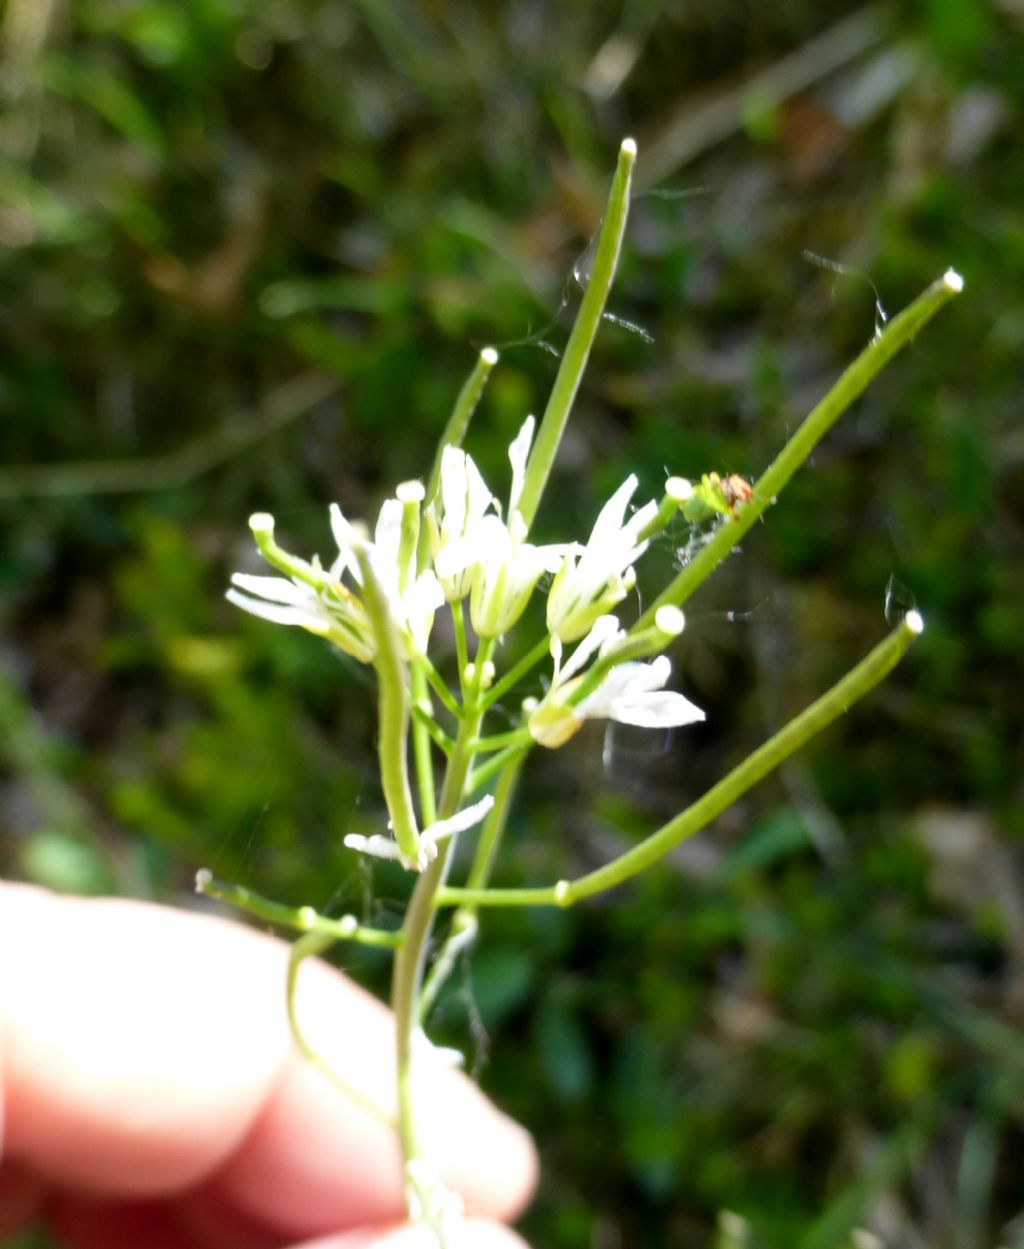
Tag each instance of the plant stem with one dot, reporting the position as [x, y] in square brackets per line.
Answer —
[410, 957]
[304, 918]
[516, 673]
[461, 654]
[437, 684]
[900, 330]
[584, 330]
[425, 719]
[462, 413]
[421, 756]
[495, 766]
[500, 741]
[463, 925]
[864, 677]
[393, 703]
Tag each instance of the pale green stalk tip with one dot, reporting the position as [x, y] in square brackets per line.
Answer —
[953, 281]
[261, 524]
[411, 492]
[913, 622]
[678, 489]
[669, 620]
[628, 148]
[489, 357]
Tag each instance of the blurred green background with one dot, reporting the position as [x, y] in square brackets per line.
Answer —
[250, 250]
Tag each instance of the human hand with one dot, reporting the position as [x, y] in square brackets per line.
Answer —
[154, 1100]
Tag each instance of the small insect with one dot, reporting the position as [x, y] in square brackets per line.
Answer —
[735, 489]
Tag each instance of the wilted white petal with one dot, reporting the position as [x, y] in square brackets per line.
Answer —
[377, 846]
[460, 821]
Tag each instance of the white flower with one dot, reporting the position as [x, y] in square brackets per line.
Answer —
[634, 693]
[413, 607]
[323, 603]
[603, 635]
[590, 583]
[379, 846]
[631, 693]
[310, 598]
[491, 556]
[465, 501]
[508, 569]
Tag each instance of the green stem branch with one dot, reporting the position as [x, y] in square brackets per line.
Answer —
[393, 702]
[864, 677]
[410, 958]
[462, 413]
[302, 918]
[464, 924]
[900, 330]
[584, 331]
[516, 673]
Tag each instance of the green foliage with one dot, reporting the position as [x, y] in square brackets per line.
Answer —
[810, 1017]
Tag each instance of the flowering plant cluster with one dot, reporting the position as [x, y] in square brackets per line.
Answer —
[449, 544]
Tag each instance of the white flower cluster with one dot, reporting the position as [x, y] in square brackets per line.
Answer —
[480, 554]
[477, 550]
[324, 603]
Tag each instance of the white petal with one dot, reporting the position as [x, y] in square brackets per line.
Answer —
[609, 519]
[426, 594]
[387, 535]
[628, 680]
[463, 491]
[625, 681]
[419, 603]
[648, 676]
[661, 710]
[640, 519]
[347, 538]
[609, 549]
[276, 589]
[459, 554]
[603, 630]
[279, 613]
[551, 556]
[518, 453]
